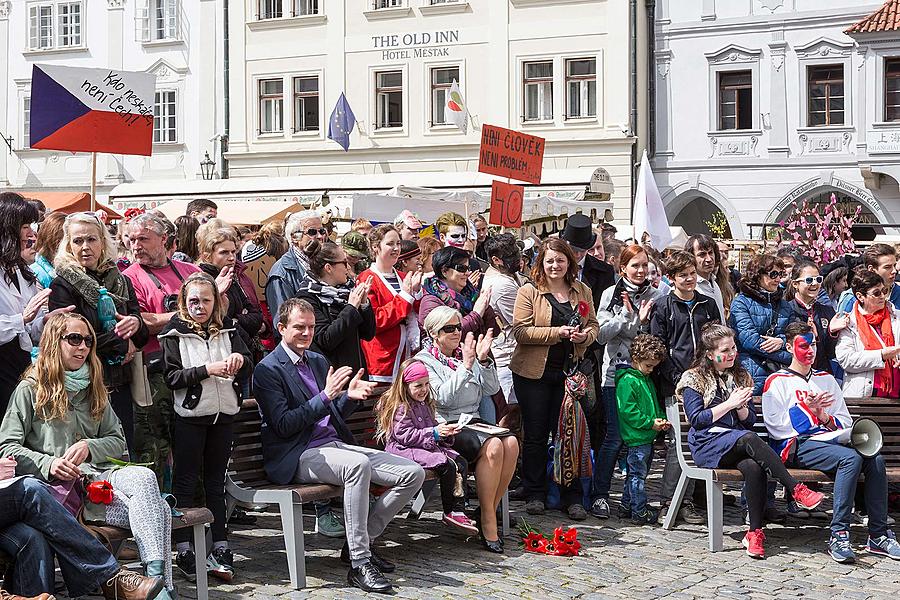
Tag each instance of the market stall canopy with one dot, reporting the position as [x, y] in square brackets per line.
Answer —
[69, 202]
[239, 213]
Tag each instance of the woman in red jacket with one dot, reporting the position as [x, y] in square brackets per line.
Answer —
[394, 297]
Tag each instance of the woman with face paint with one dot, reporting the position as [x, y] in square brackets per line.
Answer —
[206, 363]
[454, 231]
[867, 348]
[717, 395]
[803, 295]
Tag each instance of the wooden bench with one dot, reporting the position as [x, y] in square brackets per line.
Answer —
[247, 484]
[884, 411]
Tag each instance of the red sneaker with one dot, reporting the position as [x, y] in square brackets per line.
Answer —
[807, 498]
[753, 542]
[460, 521]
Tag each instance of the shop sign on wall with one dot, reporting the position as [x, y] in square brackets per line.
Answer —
[421, 44]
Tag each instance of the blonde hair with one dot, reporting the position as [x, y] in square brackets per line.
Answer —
[48, 372]
[393, 399]
[438, 317]
[218, 312]
[210, 237]
[64, 256]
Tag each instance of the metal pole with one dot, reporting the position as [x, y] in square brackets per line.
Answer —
[93, 181]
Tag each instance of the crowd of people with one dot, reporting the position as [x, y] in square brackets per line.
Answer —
[536, 366]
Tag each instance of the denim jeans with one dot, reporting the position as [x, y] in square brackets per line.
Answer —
[605, 460]
[83, 561]
[634, 496]
[845, 464]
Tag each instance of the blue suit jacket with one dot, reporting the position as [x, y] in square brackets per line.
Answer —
[289, 414]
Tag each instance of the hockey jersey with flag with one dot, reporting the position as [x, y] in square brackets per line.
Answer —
[786, 414]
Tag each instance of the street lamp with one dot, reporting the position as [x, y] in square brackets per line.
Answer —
[207, 167]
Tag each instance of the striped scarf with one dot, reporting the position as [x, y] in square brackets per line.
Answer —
[572, 450]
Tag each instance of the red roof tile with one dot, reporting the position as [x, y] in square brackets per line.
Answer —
[886, 18]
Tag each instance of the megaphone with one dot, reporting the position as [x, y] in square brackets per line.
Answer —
[866, 437]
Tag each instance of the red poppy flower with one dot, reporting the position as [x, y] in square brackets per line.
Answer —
[583, 309]
[100, 492]
[534, 542]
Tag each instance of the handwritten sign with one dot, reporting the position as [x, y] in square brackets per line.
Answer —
[92, 110]
[506, 204]
[512, 154]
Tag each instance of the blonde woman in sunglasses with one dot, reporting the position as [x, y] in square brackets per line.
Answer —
[805, 294]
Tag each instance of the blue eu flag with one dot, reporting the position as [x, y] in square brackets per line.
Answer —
[341, 123]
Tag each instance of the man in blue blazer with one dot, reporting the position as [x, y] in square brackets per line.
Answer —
[306, 440]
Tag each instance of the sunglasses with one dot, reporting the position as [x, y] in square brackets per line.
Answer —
[461, 268]
[338, 262]
[76, 339]
[321, 231]
[30, 242]
[451, 328]
[811, 280]
[776, 274]
[876, 293]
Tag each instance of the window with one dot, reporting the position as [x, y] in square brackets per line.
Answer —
[539, 91]
[735, 100]
[825, 100]
[306, 7]
[271, 105]
[441, 80]
[389, 99]
[54, 24]
[306, 104]
[157, 20]
[270, 9]
[165, 129]
[387, 4]
[581, 88]
[892, 89]
[70, 24]
[26, 123]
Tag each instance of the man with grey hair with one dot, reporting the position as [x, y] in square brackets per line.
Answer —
[156, 279]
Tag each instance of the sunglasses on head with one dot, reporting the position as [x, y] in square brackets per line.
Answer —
[321, 231]
[76, 339]
[776, 274]
[811, 280]
[451, 328]
[460, 268]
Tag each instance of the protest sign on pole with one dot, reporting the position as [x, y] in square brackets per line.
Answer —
[511, 154]
[506, 204]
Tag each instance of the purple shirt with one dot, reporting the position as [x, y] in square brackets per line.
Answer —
[323, 432]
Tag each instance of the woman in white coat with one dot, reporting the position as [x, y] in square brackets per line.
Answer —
[868, 348]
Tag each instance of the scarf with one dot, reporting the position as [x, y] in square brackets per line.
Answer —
[301, 258]
[451, 362]
[88, 284]
[327, 294]
[634, 290]
[572, 450]
[462, 301]
[869, 326]
[78, 380]
[760, 295]
[708, 385]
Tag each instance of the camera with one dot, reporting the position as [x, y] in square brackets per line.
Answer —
[170, 302]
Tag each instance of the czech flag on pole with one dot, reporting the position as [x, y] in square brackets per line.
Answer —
[92, 110]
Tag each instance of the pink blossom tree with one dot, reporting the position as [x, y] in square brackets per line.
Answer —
[822, 235]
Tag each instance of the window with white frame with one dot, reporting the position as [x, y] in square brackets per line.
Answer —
[441, 80]
[26, 122]
[271, 106]
[825, 95]
[306, 103]
[270, 9]
[581, 88]
[376, 4]
[55, 24]
[157, 20]
[538, 84]
[892, 89]
[165, 121]
[389, 99]
[305, 7]
[735, 100]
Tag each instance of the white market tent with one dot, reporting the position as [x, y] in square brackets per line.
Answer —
[239, 213]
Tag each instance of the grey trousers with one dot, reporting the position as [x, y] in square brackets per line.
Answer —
[355, 468]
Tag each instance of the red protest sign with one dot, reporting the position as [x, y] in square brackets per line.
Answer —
[506, 204]
[512, 154]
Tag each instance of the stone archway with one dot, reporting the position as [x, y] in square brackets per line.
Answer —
[694, 215]
[705, 200]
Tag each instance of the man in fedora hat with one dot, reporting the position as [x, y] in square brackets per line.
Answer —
[593, 272]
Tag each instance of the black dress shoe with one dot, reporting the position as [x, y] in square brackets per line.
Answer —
[495, 546]
[383, 565]
[369, 579]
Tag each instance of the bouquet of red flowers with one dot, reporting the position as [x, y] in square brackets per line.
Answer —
[563, 543]
[100, 492]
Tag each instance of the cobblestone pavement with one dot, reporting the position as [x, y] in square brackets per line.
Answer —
[618, 560]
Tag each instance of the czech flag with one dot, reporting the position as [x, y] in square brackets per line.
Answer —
[92, 110]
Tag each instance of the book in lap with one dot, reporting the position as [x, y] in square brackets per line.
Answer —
[487, 429]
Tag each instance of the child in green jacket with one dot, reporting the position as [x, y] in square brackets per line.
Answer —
[640, 419]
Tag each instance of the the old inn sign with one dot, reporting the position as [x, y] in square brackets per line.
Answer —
[423, 44]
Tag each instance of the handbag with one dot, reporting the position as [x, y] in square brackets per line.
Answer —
[140, 384]
[70, 494]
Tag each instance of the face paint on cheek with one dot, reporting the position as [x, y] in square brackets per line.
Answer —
[719, 358]
[805, 349]
[195, 308]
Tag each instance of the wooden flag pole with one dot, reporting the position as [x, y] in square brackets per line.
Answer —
[93, 181]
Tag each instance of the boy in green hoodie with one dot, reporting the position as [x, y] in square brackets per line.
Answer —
[640, 420]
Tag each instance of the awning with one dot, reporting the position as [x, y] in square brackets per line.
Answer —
[69, 202]
[239, 213]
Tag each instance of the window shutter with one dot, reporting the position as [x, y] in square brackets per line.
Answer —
[142, 21]
[173, 20]
[33, 27]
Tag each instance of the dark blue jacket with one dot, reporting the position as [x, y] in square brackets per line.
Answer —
[751, 318]
[707, 446]
[289, 415]
[284, 281]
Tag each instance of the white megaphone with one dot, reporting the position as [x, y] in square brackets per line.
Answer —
[866, 437]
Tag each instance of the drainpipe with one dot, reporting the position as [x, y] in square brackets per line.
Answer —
[651, 78]
[223, 142]
[632, 121]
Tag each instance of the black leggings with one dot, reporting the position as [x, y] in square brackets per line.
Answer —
[447, 476]
[757, 462]
[202, 450]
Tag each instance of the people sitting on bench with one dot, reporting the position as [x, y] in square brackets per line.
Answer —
[34, 527]
[718, 400]
[803, 411]
[306, 440]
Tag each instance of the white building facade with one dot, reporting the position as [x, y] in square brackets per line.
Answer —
[558, 69]
[180, 41]
[762, 104]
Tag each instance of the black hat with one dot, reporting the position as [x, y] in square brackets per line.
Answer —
[578, 232]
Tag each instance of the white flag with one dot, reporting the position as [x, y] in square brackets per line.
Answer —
[455, 109]
[649, 214]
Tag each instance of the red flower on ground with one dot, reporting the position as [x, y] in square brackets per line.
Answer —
[100, 492]
[534, 542]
